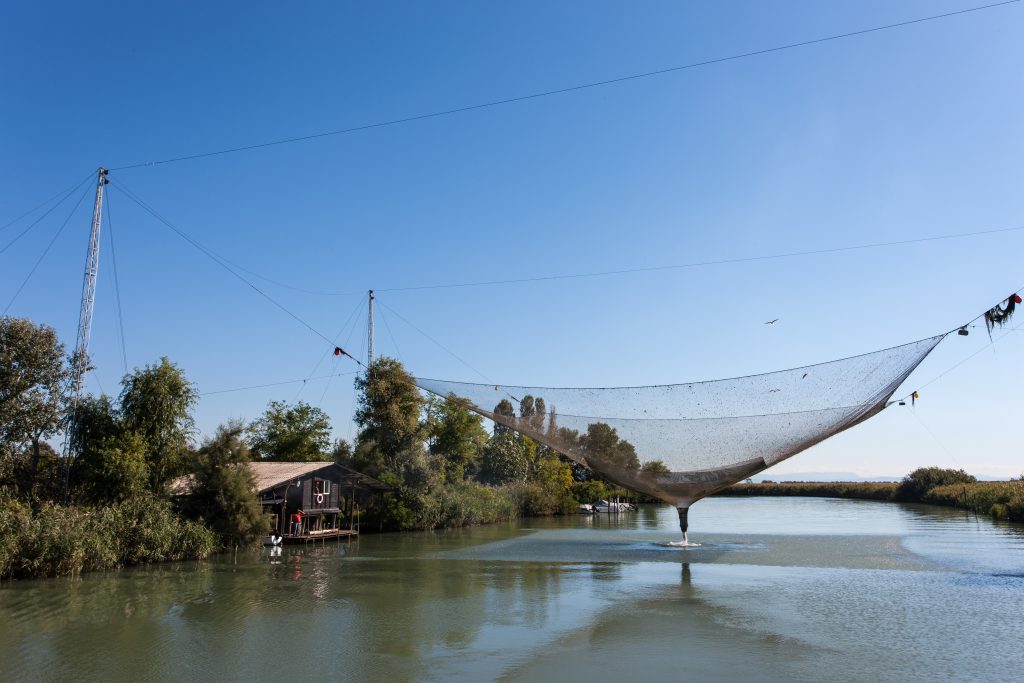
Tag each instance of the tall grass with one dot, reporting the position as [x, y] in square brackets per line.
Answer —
[1000, 499]
[859, 490]
[57, 540]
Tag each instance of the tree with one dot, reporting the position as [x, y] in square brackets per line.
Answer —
[549, 488]
[224, 494]
[504, 460]
[533, 411]
[388, 414]
[554, 474]
[156, 403]
[299, 433]
[655, 468]
[113, 468]
[457, 437]
[95, 420]
[504, 409]
[34, 374]
[602, 443]
[920, 481]
[341, 453]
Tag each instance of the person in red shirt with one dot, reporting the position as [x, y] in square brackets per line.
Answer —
[297, 523]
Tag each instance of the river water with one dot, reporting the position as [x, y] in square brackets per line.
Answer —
[804, 589]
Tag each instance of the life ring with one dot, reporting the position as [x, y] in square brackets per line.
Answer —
[319, 498]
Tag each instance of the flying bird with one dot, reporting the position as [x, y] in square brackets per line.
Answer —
[772, 322]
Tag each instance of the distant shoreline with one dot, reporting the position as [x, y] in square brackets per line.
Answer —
[997, 499]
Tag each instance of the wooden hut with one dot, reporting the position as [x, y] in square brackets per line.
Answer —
[328, 495]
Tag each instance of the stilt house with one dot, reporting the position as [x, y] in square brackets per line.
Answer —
[328, 495]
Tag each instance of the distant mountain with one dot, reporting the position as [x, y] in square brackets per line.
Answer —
[842, 476]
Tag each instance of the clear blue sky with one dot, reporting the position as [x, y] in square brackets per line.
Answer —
[894, 135]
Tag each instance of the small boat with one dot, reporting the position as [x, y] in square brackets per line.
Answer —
[272, 541]
[613, 507]
[586, 509]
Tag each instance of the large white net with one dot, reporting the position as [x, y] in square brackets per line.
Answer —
[708, 435]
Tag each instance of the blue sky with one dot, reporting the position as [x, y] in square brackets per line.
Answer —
[895, 135]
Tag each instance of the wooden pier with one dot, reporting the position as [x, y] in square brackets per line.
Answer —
[320, 535]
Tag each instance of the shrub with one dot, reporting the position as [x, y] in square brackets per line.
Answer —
[916, 484]
[1001, 499]
[60, 541]
[504, 460]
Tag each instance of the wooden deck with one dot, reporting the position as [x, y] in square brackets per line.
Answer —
[320, 535]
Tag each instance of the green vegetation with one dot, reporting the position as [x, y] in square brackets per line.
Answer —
[112, 506]
[299, 433]
[33, 375]
[858, 490]
[54, 540]
[934, 485]
[445, 469]
[1000, 499]
[223, 497]
[916, 485]
[114, 510]
[157, 403]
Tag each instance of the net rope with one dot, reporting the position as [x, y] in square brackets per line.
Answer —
[710, 434]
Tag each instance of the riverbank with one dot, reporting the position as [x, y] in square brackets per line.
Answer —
[57, 540]
[998, 499]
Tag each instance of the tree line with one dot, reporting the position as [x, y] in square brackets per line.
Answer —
[444, 466]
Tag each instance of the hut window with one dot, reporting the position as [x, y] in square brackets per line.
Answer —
[327, 488]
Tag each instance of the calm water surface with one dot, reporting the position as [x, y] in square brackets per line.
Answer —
[795, 588]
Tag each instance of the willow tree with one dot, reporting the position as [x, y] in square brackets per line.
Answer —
[388, 415]
[156, 404]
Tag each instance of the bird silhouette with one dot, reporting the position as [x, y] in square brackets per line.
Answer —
[772, 322]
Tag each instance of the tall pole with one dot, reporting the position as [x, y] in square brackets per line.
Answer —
[80, 359]
[92, 265]
[369, 334]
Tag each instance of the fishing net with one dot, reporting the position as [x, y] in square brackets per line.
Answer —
[705, 435]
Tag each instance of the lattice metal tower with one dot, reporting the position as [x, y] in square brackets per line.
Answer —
[80, 359]
[92, 265]
[369, 334]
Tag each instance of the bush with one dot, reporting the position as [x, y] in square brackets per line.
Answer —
[1001, 499]
[61, 541]
[223, 496]
[919, 482]
[590, 491]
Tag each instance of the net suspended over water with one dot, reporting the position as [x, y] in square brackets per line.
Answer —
[709, 435]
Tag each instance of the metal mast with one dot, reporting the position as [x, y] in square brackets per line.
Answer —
[92, 265]
[80, 359]
[369, 334]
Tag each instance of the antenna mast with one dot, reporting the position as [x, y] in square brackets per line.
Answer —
[369, 334]
[80, 359]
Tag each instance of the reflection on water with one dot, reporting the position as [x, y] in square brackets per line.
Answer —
[798, 588]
